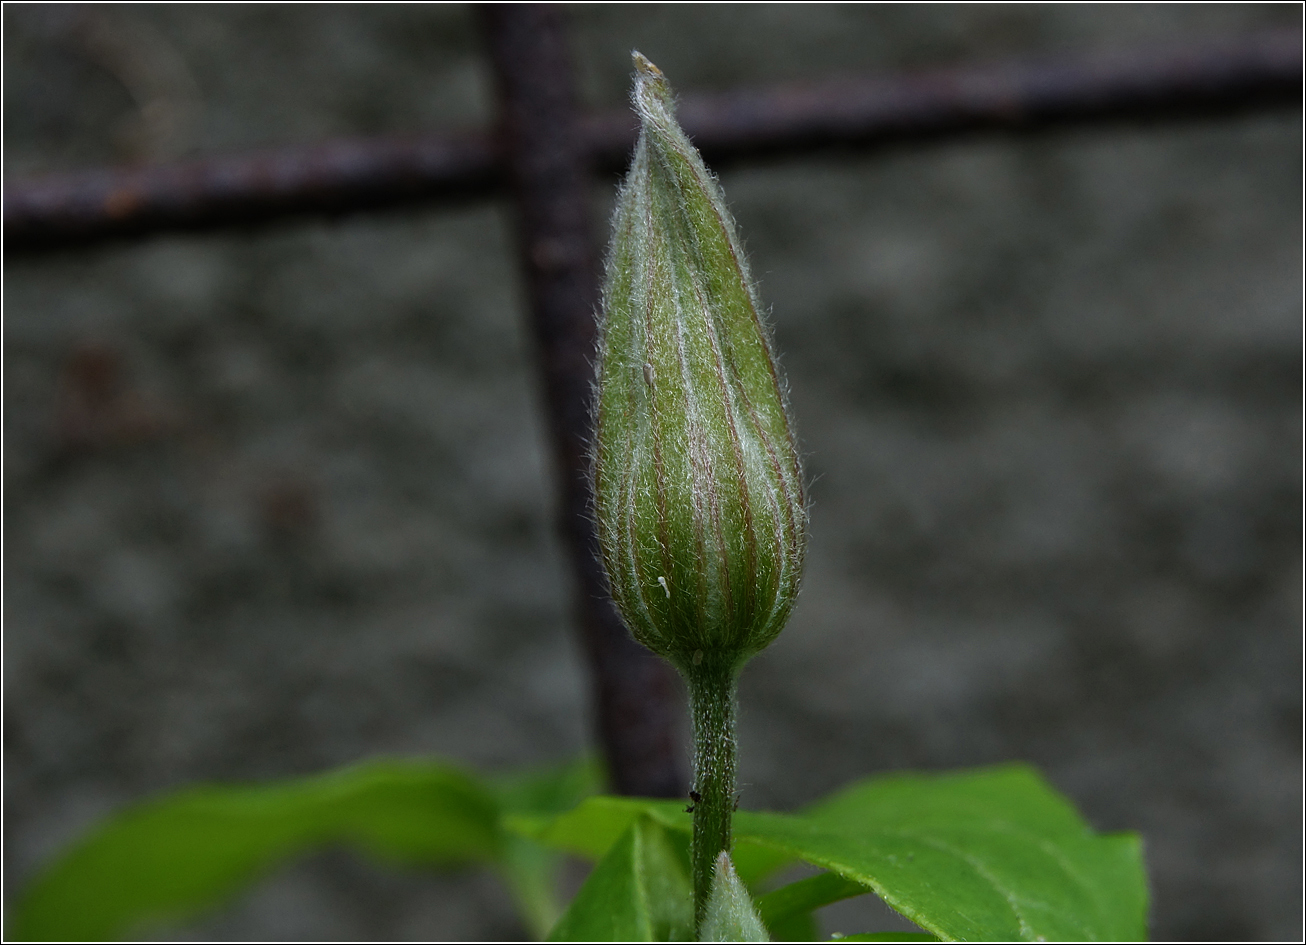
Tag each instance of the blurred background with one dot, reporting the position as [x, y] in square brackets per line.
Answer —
[280, 499]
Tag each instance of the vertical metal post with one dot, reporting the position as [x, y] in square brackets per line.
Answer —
[634, 693]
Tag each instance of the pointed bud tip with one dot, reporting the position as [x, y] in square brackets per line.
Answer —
[651, 92]
[644, 67]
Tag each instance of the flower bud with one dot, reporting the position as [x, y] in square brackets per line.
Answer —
[698, 488]
[731, 915]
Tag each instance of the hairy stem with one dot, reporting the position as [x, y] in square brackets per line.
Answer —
[712, 706]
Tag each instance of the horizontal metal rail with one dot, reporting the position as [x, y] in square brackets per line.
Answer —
[1262, 71]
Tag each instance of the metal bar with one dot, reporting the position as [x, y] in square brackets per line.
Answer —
[634, 693]
[1257, 72]
[246, 189]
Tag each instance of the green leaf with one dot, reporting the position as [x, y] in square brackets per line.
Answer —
[888, 937]
[755, 863]
[167, 859]
[612, 906]
[993, 853]
[530, 872]
[1013, 793]
[799, 927]
[666, 879]
[988, 854]
[548, 790]
[639, 892]
[529, 869]
[593, 826]
[785, 909]
[1011, 799]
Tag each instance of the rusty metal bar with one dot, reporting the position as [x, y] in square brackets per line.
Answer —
[547, 163]
[1257, 72]
[245, 189]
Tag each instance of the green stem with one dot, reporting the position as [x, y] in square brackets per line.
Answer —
[712, 707]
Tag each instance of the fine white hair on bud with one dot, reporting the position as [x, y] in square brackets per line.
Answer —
[731, 915]
[699, 495]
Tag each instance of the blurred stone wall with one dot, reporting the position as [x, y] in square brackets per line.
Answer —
[277, 501]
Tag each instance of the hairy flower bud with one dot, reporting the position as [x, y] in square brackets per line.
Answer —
[698, 488]
[731, 915]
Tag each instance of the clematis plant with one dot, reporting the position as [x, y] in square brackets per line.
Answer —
[702, 522]
[697, 482]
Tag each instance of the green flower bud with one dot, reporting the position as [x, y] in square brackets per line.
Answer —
[731, 915]
[698, 487]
